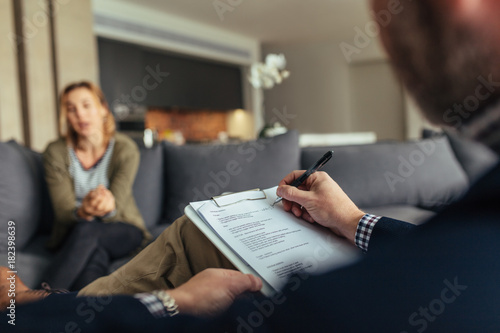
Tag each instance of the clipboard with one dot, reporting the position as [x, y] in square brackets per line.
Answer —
[236, 197]
[264, 240]
[228, 252]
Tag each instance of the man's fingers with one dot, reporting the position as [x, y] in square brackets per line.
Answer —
[291, 177]
[297, 210]
[306, 216]
[243, 282]
[255, 282]
[292, 193]
[287, 205]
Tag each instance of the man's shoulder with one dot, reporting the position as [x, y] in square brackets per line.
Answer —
[488, 183]
[481, 196]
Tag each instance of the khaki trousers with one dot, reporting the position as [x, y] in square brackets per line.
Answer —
[179, 253]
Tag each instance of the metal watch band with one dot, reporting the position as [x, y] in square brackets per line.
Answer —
[167, 301]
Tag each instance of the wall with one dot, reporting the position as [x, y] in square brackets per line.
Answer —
[415, 122]
[11, 125]
[326, 93]
[75, 42]
[376, 100]
[52, 46]
[314, 98]
[40, 84]
[195, 126]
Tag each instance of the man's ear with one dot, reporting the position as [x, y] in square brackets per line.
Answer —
[467, 8]
[465, 5]
[475, 12]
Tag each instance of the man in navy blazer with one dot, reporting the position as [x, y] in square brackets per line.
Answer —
[443, 276]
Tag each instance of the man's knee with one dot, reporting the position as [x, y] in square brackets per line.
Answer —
[176, 228]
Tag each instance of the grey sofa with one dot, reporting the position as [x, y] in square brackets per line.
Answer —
[408, 181]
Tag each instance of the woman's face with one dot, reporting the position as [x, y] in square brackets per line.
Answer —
[84, 112]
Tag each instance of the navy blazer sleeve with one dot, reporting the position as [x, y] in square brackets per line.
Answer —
[387, 230]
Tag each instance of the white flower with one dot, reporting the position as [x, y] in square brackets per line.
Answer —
[268, 74]
[275, 74]
[276, 61]
[267, 82]
[285, 74]
[255, 82]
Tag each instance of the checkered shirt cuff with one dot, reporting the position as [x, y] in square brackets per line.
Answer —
[364, 230]
[153, 304]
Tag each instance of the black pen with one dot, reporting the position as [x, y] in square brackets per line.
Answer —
[322, 161]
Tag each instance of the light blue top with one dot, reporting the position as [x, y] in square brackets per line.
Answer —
[85, 180]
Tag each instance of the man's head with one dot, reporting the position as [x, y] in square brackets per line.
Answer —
[441, 49]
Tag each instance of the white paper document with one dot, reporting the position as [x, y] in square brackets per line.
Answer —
[267, 241]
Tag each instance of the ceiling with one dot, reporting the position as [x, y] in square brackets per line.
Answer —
[271, 21]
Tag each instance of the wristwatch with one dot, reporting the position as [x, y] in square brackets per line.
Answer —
[167, 301]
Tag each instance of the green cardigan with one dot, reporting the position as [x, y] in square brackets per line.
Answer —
[122, 170]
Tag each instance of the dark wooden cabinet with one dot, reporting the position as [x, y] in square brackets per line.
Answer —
[135, 76]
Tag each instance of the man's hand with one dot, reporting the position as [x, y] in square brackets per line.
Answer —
[320, 199]
[98, 202]
[212, 291]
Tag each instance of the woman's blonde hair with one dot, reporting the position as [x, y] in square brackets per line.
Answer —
[65, 130]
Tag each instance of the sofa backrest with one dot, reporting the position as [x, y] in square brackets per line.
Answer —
[198, 172]
[24, 196]
[423, 173]
[148, 188]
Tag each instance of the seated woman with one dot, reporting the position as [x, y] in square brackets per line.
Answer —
[90, 171]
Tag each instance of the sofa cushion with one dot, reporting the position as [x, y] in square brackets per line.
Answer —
[198, 172]
[148, 185]
[422, 173]
[34, 261]
[20, 195]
